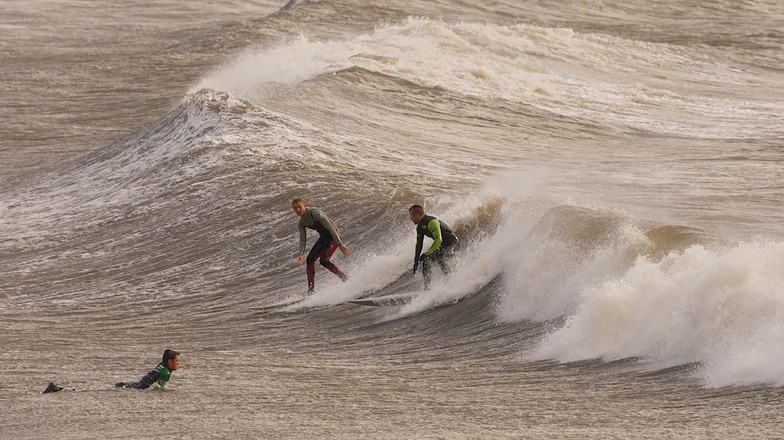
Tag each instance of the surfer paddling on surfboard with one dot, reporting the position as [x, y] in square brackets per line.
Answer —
[329, 240]
[157, 377]
[444, 241]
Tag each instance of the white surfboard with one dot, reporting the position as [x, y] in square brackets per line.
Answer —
[289, 301]
[387, 300]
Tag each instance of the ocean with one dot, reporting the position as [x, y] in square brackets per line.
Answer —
[613, 170]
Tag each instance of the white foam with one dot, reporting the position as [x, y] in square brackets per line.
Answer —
[653, 87]
[371, 274]
[722, 310]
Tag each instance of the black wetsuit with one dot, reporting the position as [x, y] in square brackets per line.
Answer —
[158, 376]
[444, 241]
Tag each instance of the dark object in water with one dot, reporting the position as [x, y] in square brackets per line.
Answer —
[51, 388]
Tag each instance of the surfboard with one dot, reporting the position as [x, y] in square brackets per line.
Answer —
[290, 301]
[387, 300]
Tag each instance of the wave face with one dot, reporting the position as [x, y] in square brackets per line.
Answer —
[612, 172]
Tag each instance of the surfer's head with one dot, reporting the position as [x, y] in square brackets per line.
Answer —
[416, 212]
[299, 206]
[171, 359]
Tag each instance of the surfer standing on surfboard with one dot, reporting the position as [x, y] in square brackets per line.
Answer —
[329, 240]
[443, 242]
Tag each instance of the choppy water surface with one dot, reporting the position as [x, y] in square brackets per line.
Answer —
[612, 171]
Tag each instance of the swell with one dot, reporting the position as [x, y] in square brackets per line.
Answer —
[190, 216]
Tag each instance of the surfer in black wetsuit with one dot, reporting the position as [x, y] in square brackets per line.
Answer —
[158, 376]
[329, 240]
[444, 241]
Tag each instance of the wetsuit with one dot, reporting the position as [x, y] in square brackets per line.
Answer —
[443, 241]
[157, 376]
[328, 241]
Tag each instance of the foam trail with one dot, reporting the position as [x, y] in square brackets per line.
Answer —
[375, 273]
